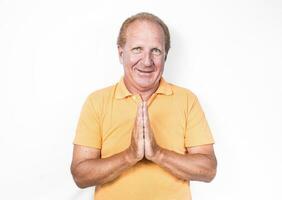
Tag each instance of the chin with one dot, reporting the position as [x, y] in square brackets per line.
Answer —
[145, 86]
[145, 83]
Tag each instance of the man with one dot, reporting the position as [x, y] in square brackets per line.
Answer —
[142, 138]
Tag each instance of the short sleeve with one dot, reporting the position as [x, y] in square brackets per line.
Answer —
[88, 127]
[197, 129]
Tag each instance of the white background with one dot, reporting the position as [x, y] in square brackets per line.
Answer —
[54, 53]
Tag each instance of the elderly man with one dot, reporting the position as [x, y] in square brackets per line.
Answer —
[142, 138]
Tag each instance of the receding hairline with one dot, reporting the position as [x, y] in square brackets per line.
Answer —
[141, 21]
[143, 16]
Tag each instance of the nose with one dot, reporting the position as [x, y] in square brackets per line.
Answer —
[147, 59]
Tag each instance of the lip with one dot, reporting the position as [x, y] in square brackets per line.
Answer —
[142, 71]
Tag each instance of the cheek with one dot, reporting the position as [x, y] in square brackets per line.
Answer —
[133, 60]
[159, 64]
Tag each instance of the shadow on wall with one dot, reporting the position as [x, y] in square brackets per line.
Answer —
[177, 60]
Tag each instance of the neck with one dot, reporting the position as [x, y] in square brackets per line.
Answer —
[144, 93]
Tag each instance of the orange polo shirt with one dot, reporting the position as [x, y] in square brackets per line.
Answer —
[177, 120]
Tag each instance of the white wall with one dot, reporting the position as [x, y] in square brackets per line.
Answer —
[54, 53]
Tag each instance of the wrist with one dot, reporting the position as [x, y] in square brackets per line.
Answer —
[158, 156]
[129, 157]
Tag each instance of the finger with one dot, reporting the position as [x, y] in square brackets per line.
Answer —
[146, 121]
[137, 118]
[140, 114]
[145, 114]
[139, 121]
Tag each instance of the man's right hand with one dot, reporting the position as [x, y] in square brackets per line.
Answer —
[136, 150]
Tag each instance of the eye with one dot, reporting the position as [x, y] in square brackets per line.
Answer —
[156, 51]
[136, 50]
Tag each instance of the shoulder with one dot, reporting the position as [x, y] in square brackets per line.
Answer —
[103, 92]
[101, 96]
[184, 97]
[182, 92]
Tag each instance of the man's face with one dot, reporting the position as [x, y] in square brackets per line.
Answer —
[143, 55]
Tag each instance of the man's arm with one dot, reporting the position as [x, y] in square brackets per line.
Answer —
[89, 169]
[199, 163]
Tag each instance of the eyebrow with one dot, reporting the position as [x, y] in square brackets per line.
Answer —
[139, 46]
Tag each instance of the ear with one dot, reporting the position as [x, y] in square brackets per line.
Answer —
[120, 54]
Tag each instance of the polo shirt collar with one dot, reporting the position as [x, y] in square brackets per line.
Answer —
[164, 88]
[122, 92]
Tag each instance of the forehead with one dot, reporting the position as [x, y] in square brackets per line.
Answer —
[146, 31]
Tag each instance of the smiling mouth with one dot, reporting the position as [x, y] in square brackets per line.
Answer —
[144, 71]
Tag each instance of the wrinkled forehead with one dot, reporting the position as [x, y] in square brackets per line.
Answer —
[145, 29]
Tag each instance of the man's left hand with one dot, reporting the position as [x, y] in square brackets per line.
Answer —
[152, 149]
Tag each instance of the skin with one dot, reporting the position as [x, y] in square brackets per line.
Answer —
[143, 57]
